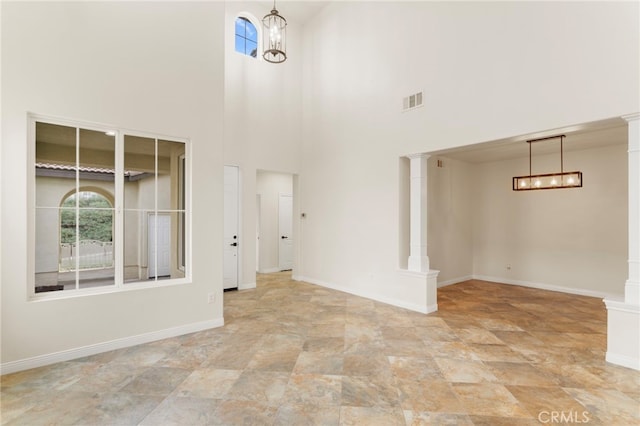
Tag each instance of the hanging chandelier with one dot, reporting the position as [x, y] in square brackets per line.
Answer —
[549, 180]
[275, 37]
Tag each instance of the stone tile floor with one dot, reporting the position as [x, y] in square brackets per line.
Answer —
[292, 353]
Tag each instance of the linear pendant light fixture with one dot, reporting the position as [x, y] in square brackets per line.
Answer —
[549, 180]
[275, 37]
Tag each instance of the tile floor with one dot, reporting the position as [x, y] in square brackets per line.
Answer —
[296, 354]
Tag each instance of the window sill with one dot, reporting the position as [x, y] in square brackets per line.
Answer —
[72, 294]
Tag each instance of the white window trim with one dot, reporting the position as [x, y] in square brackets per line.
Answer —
[182, 187]
[119, 285]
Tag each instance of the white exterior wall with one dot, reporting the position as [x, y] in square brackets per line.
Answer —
[52, 191]
[488, 71]
[137, 195]
[155, 67]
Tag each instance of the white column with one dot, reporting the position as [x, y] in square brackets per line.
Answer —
[632, 286]
[623, 316]
[418, 259]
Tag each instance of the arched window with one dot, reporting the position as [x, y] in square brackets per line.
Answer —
[86, 232]
[246, 37]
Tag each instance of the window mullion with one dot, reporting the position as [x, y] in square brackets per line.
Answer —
[118, 237]
[155, 212]
[77, 211]
[187, 209]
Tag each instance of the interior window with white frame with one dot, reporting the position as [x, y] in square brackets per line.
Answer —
[109, 210]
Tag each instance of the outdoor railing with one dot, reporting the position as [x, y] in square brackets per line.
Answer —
[89, 254]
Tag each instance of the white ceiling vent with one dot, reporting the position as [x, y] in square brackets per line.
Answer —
[412, 101]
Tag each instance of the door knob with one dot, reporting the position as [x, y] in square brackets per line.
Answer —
[284, 237]
[233, 244]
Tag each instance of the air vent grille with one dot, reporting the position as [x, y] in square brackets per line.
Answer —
[412, 101]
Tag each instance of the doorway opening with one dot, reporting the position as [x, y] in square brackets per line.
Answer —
[569, 240]
[275, 239]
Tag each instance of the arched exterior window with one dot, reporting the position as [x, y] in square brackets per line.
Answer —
[246, 36]
[86, 231]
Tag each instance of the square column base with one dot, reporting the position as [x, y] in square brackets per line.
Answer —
[632, 292]
[421, 289]
[623, 334]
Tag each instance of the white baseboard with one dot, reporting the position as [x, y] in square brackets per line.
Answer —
[454, 281]
[550, 287]
[430, 308]
[125, 342]
[246, 286]
[269, 270]
[372, 296]
[624, 361]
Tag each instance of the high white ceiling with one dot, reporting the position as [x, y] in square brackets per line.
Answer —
[294, 11]
[597, 134]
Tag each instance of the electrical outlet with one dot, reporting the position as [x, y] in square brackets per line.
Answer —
[211, 298]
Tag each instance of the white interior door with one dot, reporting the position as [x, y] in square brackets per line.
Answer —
[159, 245]
[285, 229]
[231, 222]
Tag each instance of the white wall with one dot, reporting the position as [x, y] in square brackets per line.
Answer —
[270, 185]
[567, 238]
[571, 240]
[262, 119]
[155, 67]
[488, 70]
[450, 211]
